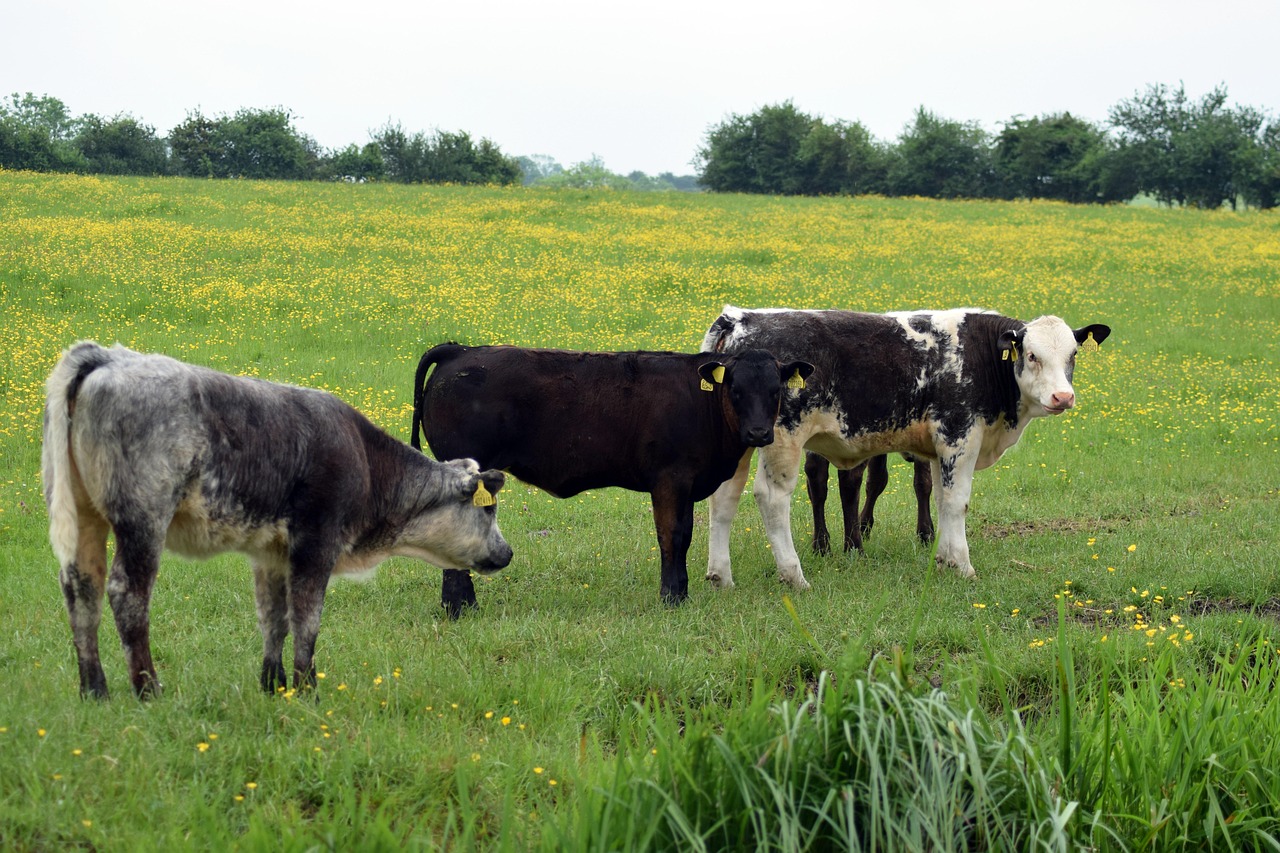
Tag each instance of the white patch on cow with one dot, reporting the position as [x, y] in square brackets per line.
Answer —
[923, 340]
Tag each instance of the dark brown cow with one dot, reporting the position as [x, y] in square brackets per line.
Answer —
[670, 424]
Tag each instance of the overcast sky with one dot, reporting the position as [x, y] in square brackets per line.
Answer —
[637, 84]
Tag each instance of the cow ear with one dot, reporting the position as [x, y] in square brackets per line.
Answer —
[1010, 341]
[795, 373]
[712, 373]
[1097, 331]
[485, 486]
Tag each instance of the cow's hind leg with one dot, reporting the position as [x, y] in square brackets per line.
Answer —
[923, 484]
[271, 592]
[83, 581]
[133, 574]
[722, 507]
[776, 480]
[815, 479]
[877, 468]
[673, 517]
[457, 592]
[850, 492]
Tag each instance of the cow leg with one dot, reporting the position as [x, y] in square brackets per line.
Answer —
[923, 484]
[877, 480]
[673, 517]
[722, 507]
[271, 592]
[953, 472]
[775, 483]
[310, 565]
[815, 478]
[133, 574]
[850, 491]
[83, 581]
[457, 592]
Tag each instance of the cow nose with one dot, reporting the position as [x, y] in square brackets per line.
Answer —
[1063, 399]
[759, 436]
[498, 559]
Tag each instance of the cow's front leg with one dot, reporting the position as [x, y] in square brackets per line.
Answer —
[673, 518]
[953, 478]
[271, 593]
[457, 592]
[775, 482]
[816, 475]
[310, 565]
[83, 581]
[721, 508]
[133, 574]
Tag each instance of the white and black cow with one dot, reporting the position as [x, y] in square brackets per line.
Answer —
[670, 424]
[170, 455]
[955, 387]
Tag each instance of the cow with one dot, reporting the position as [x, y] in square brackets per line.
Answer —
[857, 526]
[170, 455]
[674, 425]
[955, 387]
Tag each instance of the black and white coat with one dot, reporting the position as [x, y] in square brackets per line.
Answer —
[955, 387]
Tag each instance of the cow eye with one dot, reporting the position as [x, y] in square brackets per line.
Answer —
[1031, 357]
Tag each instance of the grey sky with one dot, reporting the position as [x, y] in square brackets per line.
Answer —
[637, 84]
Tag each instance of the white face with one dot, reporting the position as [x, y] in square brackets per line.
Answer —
[1048, 361]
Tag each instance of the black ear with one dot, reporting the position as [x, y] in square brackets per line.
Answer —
[789, 371]
[484, 487]
[1010, 343]
[1098, 331]
[712, 372]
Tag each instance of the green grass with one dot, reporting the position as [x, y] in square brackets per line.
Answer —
[1174, 450]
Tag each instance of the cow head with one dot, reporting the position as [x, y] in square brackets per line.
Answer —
[1044, 356]
[753, 383]
[458, 528]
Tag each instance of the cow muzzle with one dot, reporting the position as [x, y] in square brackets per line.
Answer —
[758, 436]
[1060, 401]
[497, 560]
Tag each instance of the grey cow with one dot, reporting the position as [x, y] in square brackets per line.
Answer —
[170, 455]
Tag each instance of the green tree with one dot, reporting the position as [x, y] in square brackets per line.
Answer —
[198, 148]
[37, 133]
[1200, 153]
[941, 158]
[264, 144]
[353, 163]
[759, 153]
[1054, 156]
[121, 146]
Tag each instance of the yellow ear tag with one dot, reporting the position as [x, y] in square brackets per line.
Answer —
[1090, 345]
[707, 386]
[1010, 353]
[482, 496]
[796, 380]
[718, 374]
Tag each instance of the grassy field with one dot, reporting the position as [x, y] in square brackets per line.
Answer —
[1126, 552]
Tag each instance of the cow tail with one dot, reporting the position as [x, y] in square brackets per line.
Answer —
[55, 462]
[429, 358]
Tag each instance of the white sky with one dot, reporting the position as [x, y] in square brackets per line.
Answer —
[638, 84]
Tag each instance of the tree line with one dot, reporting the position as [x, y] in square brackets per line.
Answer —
[39, 133]
[1180, 151]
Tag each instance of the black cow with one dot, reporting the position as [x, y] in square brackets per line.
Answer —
[857, 526]
[169, 455]
[671, 424]
[955, 387]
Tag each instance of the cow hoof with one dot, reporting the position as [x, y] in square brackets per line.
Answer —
[965, 572]
[719, 582]
[794, 583]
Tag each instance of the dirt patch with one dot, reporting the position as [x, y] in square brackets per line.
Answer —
[1052, 525]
